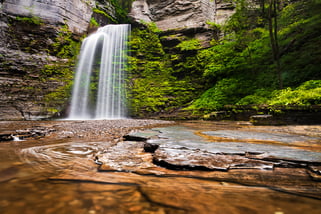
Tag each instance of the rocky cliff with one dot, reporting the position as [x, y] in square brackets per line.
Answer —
[75, 13]
[39, 40]
[181, 15]
[167, 37]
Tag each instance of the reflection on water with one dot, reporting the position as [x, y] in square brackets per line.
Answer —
[51, 176]
[58, 156]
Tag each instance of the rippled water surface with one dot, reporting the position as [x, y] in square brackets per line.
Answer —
[59, 175]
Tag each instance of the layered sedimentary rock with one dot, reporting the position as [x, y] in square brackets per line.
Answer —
[173, 14]
[189, 18]
[75, 13]
[37, 41]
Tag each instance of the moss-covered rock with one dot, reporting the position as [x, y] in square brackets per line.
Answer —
[162, 79]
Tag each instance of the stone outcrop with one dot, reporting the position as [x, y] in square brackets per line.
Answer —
[224, 10]
[22, 89]
[182, 20]
[171, 14]
[177, 17]
[75, 13]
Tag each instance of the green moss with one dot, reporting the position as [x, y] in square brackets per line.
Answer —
[65, 45]
[34, 20]
[122, 8]
[188, 45]
[225, 92]
[57, 100]
[152, 81]
[309, 93]
[93, 22]
[244, 54]
[101, 12]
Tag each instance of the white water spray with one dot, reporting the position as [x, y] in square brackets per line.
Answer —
[99, 87]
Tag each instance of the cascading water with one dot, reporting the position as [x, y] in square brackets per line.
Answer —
[99, 87]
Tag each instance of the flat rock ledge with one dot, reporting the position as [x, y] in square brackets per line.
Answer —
[145, 153]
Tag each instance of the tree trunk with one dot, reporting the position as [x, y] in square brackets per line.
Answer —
[273, 31]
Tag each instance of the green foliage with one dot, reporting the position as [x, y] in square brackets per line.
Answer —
[214, 26]
[153, 85]
[122, 8]
[65, 46]
[101, 12]
[309, 93]
[145, 44]
[56, 100]
[260, 96]
[152, 27]
[34, 20]
[225, 92]
[244, 55]
[93, 22]
[58, 72]
[189, 45]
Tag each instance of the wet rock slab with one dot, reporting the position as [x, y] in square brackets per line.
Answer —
[172, 169]
[187, 159]
[254, 145]
[278, 160]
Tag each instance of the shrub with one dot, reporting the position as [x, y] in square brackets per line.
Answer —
[308, 93]
[225, 92]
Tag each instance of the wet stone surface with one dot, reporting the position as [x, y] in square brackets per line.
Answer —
[247, 143]
[132, 167]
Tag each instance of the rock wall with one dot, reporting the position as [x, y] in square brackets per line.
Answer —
[173, 14]
[75, 13]
[179, 16]
[224, 10]
[38, 43]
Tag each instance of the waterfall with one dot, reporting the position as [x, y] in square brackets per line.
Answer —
[99, 85]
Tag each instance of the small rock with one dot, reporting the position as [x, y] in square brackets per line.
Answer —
[6, 137]
[134, 138]
[150, 147]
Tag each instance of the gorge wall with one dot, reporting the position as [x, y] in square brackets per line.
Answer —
[39, 40]
[167, 38]
[181, 16]
[173, 14]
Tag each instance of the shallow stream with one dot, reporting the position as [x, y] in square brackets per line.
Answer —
[58, 174]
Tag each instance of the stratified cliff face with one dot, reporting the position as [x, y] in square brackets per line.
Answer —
[177, 14]
[174, 14]
[182, 16]
[38, 40]
[75, 13]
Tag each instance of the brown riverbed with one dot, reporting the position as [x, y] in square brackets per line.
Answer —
[53, 169]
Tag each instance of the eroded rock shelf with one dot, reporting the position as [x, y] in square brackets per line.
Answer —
[189, 167]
